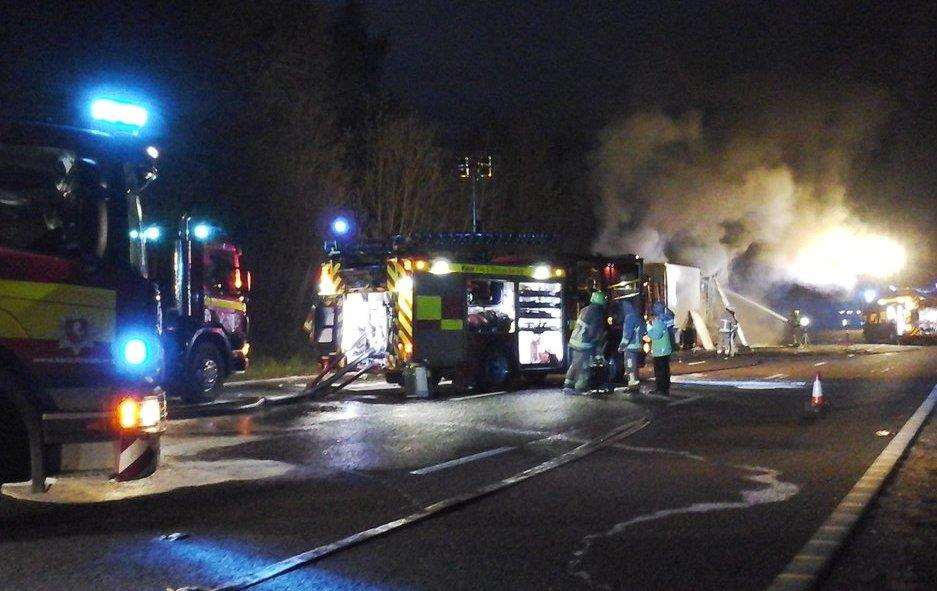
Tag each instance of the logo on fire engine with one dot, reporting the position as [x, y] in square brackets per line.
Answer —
[76, 335]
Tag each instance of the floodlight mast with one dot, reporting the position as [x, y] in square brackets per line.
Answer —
[474, 170]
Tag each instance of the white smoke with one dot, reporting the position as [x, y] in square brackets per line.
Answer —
[766, 194]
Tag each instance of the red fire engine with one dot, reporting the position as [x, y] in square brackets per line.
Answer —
[481, 309]
[205, 318]
[79, 320]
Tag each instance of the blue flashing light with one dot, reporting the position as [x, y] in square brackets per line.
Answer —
[134, 234]
[135, 351]
[152, 233]
[340, 226]
[201, 231]
[112, 111]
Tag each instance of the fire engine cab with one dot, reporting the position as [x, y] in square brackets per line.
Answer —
[462, 306]
[79, 320]
[205, 319]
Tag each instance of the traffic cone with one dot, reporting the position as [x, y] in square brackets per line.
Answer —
[817, 402]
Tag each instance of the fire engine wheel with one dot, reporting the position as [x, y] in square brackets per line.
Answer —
[205, 374]
[495, 372]
[14, 440]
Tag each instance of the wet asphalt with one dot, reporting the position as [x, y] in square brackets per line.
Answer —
[718, 491]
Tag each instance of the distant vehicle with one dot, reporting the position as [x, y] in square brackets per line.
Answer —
[205, 311]
[468, 307]
[906, 317]
[79, 320]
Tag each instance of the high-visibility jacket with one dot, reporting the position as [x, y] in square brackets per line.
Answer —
[661, 344]
[589, 330]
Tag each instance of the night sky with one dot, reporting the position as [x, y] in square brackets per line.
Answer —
[577, 67]
[589, 64]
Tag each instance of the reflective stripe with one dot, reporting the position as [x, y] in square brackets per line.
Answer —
[226, 304]
[525, 271]
[450, 324]
[402, 346]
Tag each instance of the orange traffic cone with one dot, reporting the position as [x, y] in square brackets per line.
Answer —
[817, 402]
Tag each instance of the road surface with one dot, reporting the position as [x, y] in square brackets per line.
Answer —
[716, 487]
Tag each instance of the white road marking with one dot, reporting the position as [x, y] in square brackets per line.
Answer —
[776, 376]
[685, 400]
[741, 384]
[293, 562]
[696, 363]
[462, 460]
[773, 490]
[482, 395]
[802, 573]
[819, 363]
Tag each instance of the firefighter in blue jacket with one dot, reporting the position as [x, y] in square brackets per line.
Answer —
[632, 340]
[585, 341]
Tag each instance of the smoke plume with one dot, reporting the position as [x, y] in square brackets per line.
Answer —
[761, 194]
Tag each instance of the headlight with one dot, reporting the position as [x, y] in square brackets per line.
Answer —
[139, 414]
[150, 412]
[440, 267]
[541, 272]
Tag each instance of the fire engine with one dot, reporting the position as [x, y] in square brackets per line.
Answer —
[205, 319]
[79, 320]
[462, 306]
[907, 316]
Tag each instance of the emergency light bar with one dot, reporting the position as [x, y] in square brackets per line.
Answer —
[112, 111]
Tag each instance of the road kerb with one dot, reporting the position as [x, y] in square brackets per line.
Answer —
[310, 556]
[803, 572]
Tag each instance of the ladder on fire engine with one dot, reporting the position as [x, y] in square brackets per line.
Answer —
[335, 369]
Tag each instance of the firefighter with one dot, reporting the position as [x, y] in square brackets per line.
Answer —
[632, 339]
[728, 329]
[666, 316]
[661, 349]
[584, 343]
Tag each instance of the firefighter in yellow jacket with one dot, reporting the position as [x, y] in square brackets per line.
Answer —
[585, 342]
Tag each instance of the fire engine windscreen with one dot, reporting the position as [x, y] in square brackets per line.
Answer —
[540, 323]
[364, 324]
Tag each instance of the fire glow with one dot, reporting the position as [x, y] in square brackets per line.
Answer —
[840, 256]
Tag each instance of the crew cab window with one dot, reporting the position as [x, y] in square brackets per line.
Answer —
[39, 209]
[219, 273]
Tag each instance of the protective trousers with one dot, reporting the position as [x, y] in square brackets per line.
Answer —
[662, 374]
[577, 376]
[728, 343]
[631, 364]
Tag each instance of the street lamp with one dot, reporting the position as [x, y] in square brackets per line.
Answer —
[474, 170]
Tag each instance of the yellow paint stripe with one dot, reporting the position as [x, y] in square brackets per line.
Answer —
[39, 310]
[75, 295]
[226, 304]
